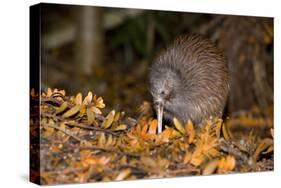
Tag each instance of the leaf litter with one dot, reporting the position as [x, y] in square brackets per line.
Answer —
[79, 143]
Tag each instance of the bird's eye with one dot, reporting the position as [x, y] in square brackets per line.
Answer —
[162, 92]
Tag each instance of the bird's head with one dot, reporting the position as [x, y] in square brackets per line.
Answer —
[164, 85]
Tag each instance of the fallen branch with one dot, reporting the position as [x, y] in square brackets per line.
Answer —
[64, 131]
[110, 150]
[74, 124]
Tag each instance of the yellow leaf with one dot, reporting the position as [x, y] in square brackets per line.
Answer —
[88, 98]
[225, 132]
[117, 116]
[179, 126]
[83, 110]
[108, 120]
[90, 116]
[78, 99]
[175, 134]
[190, 130]
[74, 110]
[49, 92]
[62, 92]
[123, 174]
[95, 110]
[62, 108]
[121, 127]
[101, 140]
[43, 94]
[98, 102]
[109, 141]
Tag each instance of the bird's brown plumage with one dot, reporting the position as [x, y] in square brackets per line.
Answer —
[191, 78]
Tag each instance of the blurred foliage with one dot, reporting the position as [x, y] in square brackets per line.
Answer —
[134, 32]
[80, 143]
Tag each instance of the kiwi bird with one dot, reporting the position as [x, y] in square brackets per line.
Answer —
[189, 80]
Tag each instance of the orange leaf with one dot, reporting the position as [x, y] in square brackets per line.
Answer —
[196, 160]
[152, 127]
[166, 134]
[144, 130]
[227, 163]
[78, 99]
[197, 156]
[190, 130]
[187, 158]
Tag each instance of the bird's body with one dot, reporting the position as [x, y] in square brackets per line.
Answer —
[189, 80]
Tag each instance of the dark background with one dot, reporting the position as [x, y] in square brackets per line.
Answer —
[109, 51]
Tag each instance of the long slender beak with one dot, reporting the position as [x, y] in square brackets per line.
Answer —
[159, 106]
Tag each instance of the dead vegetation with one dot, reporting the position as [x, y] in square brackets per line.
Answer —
[78, 143]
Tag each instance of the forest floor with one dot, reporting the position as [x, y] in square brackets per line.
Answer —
[79, 143]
